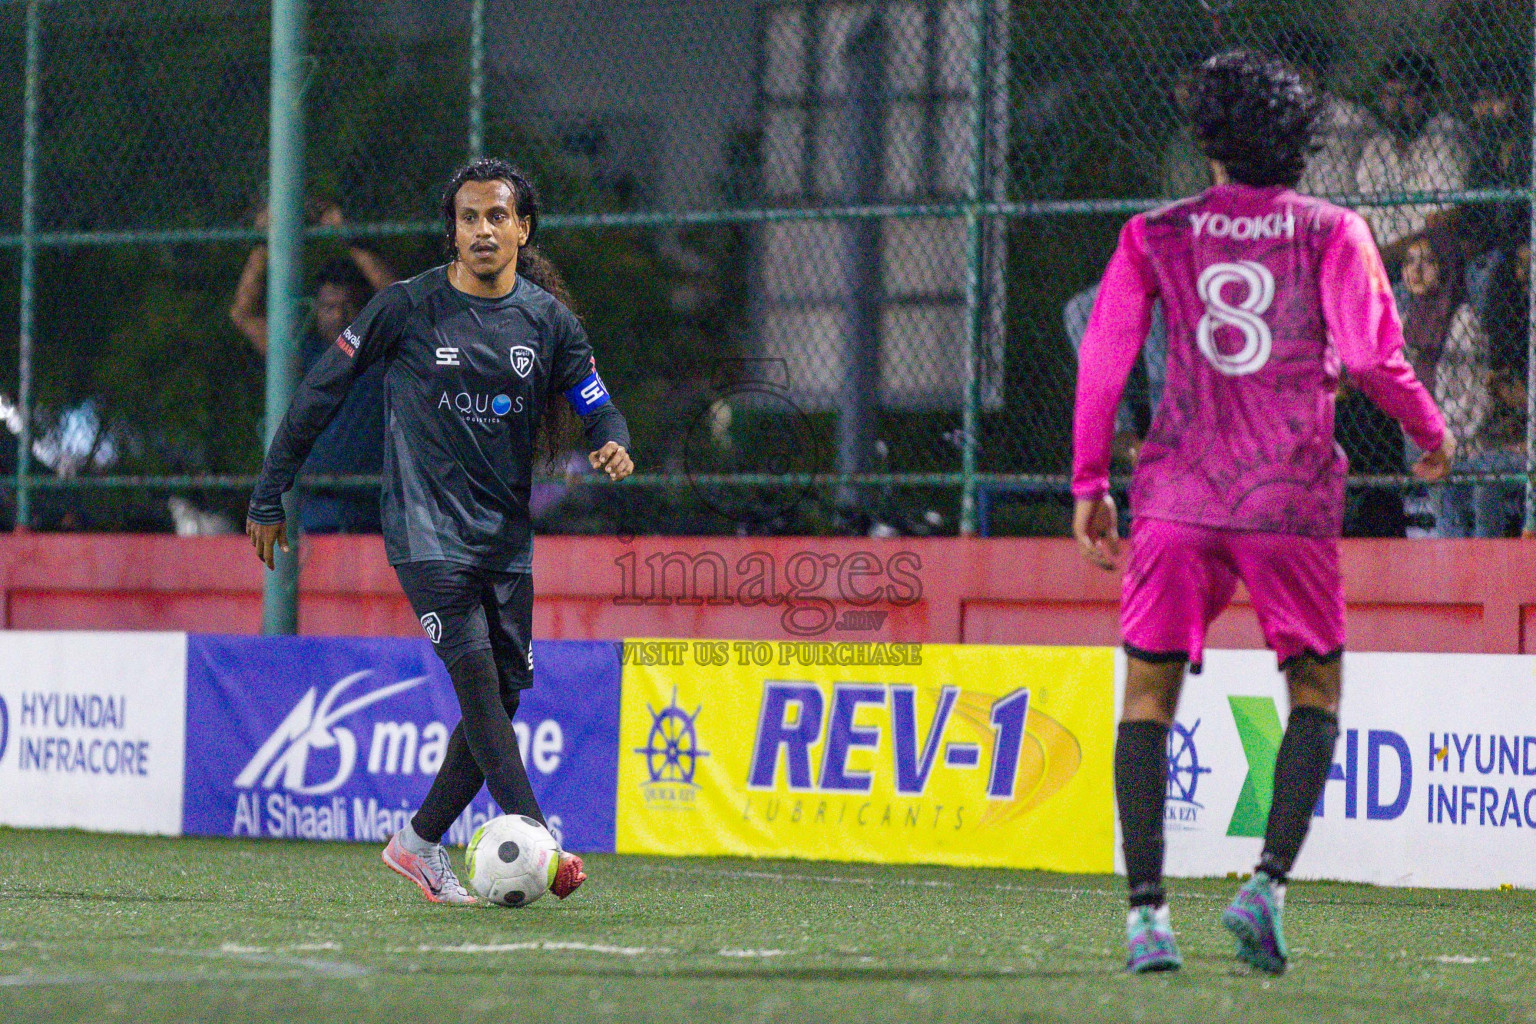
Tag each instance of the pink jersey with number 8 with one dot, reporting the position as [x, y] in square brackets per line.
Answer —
[1267, 295]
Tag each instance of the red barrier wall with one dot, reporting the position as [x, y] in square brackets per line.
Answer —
[1473, 596]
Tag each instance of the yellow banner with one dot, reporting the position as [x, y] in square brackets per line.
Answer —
[898, 753]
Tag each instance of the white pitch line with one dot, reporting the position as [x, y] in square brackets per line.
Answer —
[747, 954]
[921, 883]
[277, 958]
[548, 947]
[144, 978]
[1463, 959]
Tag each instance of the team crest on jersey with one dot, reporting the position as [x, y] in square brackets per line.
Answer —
[433, 625]
[522, 360]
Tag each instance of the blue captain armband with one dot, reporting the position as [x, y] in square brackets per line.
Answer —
[588, 396]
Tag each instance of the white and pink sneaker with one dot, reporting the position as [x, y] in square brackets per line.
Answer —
[431, 871]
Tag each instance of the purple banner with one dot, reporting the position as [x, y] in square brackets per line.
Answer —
[339, 738]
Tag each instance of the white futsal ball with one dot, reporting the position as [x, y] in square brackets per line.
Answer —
[512, 860]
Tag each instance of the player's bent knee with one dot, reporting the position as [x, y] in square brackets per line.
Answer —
[1315, 680]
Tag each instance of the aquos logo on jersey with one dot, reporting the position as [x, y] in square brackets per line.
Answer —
[949, 759]
[479, 407]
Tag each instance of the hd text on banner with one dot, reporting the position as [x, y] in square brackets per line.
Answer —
[339, 738]
[1433, 781]
[91, 730]
[915, 753]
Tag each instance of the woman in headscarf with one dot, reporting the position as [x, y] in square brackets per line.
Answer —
[1445, 341]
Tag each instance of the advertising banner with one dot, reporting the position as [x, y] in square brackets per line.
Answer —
[1433, 782]
[328, 738]
[91, 730]
[915, 753]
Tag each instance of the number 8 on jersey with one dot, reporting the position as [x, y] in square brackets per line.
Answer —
[1245, 316]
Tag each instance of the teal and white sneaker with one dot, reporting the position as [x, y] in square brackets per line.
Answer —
[1149, 941]
[1255, 919]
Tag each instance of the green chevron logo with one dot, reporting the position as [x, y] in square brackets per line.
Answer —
[1258, 726]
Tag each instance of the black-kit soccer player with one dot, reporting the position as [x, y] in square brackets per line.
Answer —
[480, 355]
[1269, 297]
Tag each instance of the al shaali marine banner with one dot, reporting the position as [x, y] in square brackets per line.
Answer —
[1433, 781]
[332, 738]
[918, 753]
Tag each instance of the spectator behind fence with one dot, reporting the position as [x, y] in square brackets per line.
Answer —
[1183, 170]
[354, 441]
[1144, 387]
[1416, 151]
[1508, 321]
[1499, 150]
[1342, 127]
[1445, 341]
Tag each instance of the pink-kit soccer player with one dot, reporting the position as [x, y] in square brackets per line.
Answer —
[1270, 298]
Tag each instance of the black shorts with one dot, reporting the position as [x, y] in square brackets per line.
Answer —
[464, 608]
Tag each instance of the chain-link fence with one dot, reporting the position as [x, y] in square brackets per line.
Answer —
[835, 258]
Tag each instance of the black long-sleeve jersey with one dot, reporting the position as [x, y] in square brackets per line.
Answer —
[464, 389]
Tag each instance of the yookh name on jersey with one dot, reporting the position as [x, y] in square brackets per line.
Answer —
[1244, 229]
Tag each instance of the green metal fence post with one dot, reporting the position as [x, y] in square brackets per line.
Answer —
[970, 420]
[285, 255]
[476, 79]
[28, 297]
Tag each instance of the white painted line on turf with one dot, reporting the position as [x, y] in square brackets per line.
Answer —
[547, 947]
[144, 978]
[1463, 960]
[920, 883]
[747, 954]
[302, 947]
[277, 958]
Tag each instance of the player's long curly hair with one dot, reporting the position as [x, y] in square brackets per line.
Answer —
[557, 426]
[1255, 114]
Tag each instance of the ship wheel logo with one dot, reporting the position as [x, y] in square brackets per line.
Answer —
[672, 749]
[1184, 767]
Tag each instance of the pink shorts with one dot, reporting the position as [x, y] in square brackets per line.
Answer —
[1182, 576]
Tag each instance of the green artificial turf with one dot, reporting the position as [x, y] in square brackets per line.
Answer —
[96, 927]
